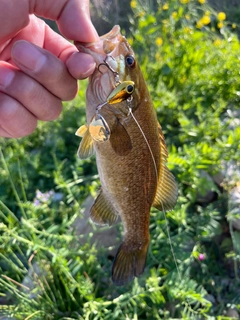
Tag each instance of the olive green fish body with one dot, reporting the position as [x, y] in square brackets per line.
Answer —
[131, 162]
[129, 183]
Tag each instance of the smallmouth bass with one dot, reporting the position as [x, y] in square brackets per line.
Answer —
[123, 131]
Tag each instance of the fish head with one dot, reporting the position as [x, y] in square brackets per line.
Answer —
[115, 63]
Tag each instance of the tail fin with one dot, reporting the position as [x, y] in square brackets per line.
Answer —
[129, 263]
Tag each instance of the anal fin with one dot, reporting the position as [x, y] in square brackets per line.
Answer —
[102, 211]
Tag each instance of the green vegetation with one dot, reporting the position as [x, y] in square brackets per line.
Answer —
[190, 57]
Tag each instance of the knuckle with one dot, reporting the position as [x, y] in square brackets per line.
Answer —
[64, 86]
[52, 112]
[14, 118]
[41, 102]
[8, 107]
[59, 81]
[24, 131]
[71, 92]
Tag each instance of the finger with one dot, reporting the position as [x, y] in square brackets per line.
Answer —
[15, 120]
[45, 68]
[13, 17]
[80, 66]
[34, 32]
[32, 95]
[72, 17]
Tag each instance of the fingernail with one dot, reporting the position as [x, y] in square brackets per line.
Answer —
[6, 77]
[28, 55]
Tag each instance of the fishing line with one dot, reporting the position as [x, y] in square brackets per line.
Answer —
[173, 254]
[150, 150]
[164, 212]
[170, 242]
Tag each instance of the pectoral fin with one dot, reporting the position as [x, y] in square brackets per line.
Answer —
[167, 191]
[120, 140]
[81, 131]
[102, 212]
[86, 148]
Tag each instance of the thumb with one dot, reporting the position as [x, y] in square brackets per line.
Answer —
[72, 16]
[75, 22]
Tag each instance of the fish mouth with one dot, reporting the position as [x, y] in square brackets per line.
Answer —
[107, 45]
[110, 62]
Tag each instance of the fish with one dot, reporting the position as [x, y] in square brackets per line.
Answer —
[123, 132]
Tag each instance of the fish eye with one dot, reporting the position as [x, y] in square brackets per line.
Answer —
[130, 61]
[130, 89]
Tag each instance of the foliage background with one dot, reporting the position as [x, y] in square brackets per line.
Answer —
[190, 56]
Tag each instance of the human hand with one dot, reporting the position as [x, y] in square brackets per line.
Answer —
[38, 67]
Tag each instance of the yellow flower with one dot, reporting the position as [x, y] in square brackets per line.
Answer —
[234, 26]
[133, 4]
[165, 6]
[141, 13]
[199, 24]
[187, 30]
[217, 42]
[201, 1]
[221, 16]
[220, 25]
[187, 17]
[184, 1]
[174, 14]
[205, 20]
[159, 41]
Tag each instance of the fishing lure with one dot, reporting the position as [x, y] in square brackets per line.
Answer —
[98, 127]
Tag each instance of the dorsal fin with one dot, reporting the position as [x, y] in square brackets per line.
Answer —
[167, 191]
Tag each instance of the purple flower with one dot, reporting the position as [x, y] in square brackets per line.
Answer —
[36, 202]
[42, 197]
[201, 257]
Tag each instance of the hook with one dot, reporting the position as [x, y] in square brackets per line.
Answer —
[104, 63]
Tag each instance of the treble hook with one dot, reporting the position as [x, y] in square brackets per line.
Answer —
[104, 63]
